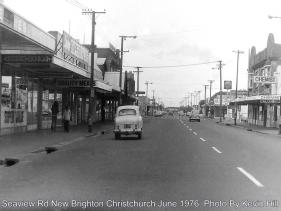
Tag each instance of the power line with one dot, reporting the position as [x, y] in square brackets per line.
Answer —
[170, 66]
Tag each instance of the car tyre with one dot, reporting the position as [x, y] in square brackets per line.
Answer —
[139, 135]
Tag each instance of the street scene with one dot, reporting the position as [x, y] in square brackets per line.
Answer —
[140, 105]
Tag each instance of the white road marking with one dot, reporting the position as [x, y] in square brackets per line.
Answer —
[190, 129]
[250, 177]
[187, 126]
[202, 139]
[195, 133]
[214, 148]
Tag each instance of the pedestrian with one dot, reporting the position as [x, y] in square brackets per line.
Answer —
[55, 111]
[66, 118]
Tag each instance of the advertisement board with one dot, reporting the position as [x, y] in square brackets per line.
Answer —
[227, 84]
[74, 83]
[19, 24]
[27, 59]
[74, 52]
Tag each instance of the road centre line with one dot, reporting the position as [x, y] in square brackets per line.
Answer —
[190, 129]
[202, 139]
[250, 177]
[214, 148]
[195, 133]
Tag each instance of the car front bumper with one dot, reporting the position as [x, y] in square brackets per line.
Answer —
[128, 131]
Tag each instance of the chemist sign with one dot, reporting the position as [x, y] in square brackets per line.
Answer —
[265, 79]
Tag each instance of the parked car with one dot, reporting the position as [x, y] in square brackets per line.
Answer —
[158, 113]
[195, 116]
[128, 121]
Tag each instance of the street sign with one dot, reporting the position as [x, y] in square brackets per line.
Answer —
[140, 92]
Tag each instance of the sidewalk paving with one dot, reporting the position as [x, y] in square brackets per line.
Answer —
[254, 128]
[20, 144]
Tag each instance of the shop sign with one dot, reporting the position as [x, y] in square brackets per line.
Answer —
[27, 59]
[227, 84]
[269, 99]
[74, 83]
[74, 52]
[264, 79]
[26, 28]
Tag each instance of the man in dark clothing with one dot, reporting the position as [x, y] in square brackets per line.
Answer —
[55, 111]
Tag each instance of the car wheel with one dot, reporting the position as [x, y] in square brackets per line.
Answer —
[117, 136]
[198, 120]
[139, 135]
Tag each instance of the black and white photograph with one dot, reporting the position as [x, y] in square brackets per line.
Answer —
[140, 105]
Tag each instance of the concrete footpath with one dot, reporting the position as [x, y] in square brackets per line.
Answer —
[246, 126]
[20, 144]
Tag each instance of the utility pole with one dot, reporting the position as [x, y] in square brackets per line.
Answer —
[153, 100]
[199, 93]
[205, 99]
[236, 94]
[147, 83]
[92, 106]
[220, 69]
[211, 81]
[123, 37]
[138, 79]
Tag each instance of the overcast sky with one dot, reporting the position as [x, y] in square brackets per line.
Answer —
[169, 32]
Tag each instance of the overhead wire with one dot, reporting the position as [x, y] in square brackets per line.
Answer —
[172, 66]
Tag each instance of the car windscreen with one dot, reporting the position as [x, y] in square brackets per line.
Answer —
[125, 112]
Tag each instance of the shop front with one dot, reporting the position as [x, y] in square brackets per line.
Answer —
[263, 110]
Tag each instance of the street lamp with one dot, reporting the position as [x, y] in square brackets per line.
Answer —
[123, 37]
[236, 95]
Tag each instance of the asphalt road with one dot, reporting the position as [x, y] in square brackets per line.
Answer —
[178, 164]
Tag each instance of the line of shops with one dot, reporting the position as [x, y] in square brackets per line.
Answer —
[37, 68]
[262, 105]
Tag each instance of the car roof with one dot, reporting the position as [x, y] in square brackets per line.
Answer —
[128, 107]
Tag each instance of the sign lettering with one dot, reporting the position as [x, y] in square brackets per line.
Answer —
[264, 79]
[27, 59]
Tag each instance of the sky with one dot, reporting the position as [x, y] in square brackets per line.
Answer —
[169, 33]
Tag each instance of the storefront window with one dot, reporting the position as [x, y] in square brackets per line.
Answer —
[32, 102]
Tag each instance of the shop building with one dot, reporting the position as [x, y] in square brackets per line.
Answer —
[264, 85]
[37, 68]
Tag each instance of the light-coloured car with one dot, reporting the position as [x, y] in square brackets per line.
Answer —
[128, 121]
[194, 116]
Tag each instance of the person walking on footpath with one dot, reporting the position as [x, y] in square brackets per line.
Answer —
[55, 111]
[66, 118]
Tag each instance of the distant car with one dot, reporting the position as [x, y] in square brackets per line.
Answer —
[158, 113]
[194, 116]
[128, 121]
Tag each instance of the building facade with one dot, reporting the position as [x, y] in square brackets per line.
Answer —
[37, 68]
[264, 85]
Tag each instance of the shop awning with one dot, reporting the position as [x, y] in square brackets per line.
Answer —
[269, 99]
